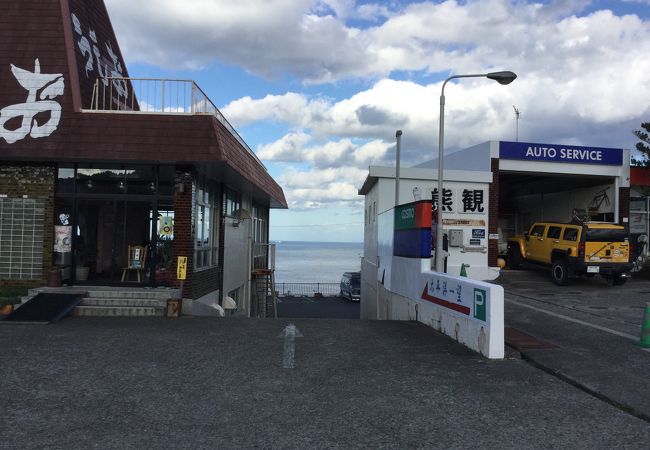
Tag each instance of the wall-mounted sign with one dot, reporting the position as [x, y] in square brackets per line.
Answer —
[181, 268]
[463, 201]
[560, 153]
[478, 233]
[42, 89]
[474, 242]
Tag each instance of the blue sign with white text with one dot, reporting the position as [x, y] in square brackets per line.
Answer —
[560, 153]
[478, 233]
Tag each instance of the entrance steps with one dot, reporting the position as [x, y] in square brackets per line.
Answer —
[104, 301]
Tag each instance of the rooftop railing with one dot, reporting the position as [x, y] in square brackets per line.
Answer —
[158, 96]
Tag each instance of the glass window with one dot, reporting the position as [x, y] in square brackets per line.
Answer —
[65, 180]
[570, 234]
[538, 231]
[554, 232]
[637, 204]
[232, 201]
[606, 235]
[205, 227]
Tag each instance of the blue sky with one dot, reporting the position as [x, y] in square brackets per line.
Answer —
[318, 87]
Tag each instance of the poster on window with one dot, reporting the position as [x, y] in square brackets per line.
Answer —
[166, 226]
[62, 239]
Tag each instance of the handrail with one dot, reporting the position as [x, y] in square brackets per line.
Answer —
[158, 96]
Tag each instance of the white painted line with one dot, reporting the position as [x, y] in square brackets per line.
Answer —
[581, 322]
[290, 333]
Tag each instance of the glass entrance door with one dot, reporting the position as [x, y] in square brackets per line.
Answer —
[105, 228]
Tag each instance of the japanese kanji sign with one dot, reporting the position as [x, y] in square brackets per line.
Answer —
[462, 201]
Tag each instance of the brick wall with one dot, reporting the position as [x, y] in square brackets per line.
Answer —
[184, 228]
[204, 281]
[35, 181]
[493, 214]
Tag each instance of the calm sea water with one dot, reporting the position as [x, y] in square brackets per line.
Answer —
[315, 262]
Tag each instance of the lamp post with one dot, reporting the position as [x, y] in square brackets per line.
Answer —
[506, 77]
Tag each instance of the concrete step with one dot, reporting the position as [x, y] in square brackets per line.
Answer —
[118, 311]
[153, 294]
[125, 302]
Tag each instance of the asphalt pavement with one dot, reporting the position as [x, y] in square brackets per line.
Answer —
[586, 333]
[222, 383]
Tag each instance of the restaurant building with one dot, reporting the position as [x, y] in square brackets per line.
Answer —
[111, 179]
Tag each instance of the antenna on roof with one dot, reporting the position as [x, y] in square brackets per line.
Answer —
[517, 113]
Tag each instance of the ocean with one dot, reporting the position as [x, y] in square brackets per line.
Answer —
[315, 262]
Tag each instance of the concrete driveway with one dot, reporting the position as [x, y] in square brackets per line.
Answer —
[222, 383]
[586, 333]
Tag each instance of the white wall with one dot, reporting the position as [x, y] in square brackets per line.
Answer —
[469, 311]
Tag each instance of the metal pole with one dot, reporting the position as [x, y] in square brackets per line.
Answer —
[440, 267]
[398, 135]
[441, 151]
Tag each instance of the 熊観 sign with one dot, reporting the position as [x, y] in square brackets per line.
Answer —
[560, 153]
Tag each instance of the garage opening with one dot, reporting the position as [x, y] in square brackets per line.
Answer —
[526, 197]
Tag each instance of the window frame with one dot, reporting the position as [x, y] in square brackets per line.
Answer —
[205, 205]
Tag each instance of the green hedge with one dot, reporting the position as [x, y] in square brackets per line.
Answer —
[11, 294]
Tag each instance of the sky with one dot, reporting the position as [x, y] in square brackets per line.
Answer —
[318, 88]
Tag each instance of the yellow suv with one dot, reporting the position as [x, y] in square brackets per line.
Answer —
[574, 249]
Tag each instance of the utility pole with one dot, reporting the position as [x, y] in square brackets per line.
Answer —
[516, 123]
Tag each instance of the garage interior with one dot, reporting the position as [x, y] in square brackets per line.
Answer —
[526, 197]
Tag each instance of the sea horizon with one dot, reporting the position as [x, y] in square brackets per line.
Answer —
[315, 261]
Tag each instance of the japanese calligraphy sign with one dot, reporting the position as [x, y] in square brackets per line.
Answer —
[98, 57]
[42, 89]
[461, 200]
[464, 297]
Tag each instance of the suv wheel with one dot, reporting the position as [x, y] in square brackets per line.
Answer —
[560, 272]
[514, 257]
[618, 280]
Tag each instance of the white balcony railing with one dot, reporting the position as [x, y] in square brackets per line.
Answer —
[158, 96]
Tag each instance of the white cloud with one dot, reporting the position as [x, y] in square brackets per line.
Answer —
[308, 189]
[312, 40]
[583, 78]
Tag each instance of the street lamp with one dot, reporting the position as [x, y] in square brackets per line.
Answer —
[506, 77]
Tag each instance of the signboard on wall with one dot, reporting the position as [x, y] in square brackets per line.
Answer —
[462, 296]
[574, 154]
[462, 200]
[98, 57]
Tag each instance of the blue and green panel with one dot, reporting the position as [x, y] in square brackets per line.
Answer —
[412, 235]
